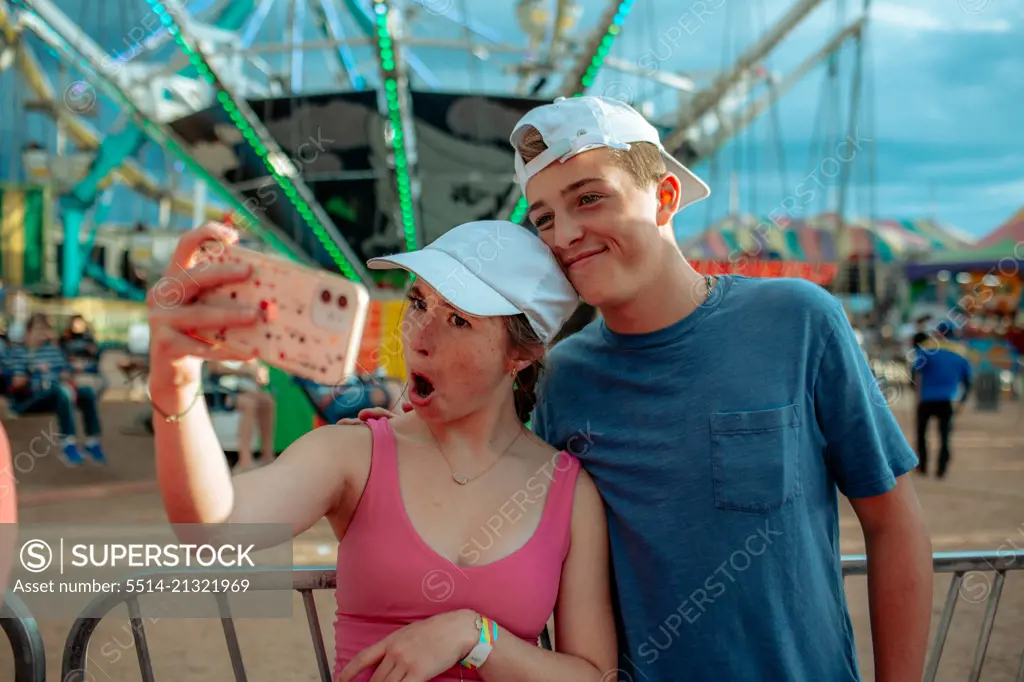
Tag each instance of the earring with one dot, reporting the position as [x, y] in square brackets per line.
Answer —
[513, 372]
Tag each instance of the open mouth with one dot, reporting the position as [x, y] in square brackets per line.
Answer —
[421, 385]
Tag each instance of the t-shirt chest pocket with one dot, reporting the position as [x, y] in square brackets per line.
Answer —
[755, 458]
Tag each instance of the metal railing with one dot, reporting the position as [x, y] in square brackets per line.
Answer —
[26, 640]
[306, 580]
[960, 564]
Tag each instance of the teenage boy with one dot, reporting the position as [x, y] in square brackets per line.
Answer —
[720, 417]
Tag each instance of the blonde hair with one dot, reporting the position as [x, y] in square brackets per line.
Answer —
[642, 161]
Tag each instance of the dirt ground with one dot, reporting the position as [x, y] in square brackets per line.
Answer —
[980, 506]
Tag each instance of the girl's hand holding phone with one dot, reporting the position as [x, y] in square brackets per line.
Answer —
[219, 301]
[176, 312]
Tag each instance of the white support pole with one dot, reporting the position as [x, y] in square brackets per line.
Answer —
[705, 147]
[706, 100]
[199, 202]
[265, 138]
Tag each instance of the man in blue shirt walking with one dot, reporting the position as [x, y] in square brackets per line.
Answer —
[720, 417]
[941, 370]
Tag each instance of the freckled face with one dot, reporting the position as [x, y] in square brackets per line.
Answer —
[457, 361]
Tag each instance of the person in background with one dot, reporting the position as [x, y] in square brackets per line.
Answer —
[254, 403]
[941, 369]
[79, 345]
[1015, 337]
[920, 331]
[3, 356]
[41, 382]
[83, 354]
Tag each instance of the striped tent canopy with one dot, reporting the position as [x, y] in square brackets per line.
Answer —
[999, 250]
[1010, 231]
[815, 239]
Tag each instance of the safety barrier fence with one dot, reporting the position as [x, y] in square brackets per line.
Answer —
[961, 564]
[26, 641]
[30, 662]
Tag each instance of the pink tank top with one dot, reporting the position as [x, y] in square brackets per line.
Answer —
[388, 576]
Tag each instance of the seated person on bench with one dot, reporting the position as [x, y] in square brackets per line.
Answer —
[253, 403]
[41, 382]
[83, 353]
[80, 345]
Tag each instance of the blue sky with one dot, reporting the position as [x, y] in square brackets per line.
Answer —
[943, 87]
[945, 108]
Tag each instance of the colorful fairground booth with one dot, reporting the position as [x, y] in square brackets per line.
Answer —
[980, 289]
[816, 249]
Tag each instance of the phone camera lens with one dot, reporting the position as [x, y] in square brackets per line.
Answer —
[342, 301]
[325, 296]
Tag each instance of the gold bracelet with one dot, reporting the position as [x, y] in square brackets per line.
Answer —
[171, 418]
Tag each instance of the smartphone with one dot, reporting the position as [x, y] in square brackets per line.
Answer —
[312, 321]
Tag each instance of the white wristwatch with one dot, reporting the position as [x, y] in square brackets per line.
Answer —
[488, 636]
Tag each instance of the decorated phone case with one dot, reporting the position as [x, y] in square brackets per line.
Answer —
[312, 321]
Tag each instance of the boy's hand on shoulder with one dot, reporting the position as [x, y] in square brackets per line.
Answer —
[374, 413]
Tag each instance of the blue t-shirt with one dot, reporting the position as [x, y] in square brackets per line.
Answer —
[719, 445]
[941, 368]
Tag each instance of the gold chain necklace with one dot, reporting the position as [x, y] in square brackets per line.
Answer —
[459, 478]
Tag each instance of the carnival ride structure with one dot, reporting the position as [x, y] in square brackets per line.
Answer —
[334, 130]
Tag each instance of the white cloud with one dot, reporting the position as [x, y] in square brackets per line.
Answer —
[1011, 189]
[923, 20]
[976, 165]
[906, 17]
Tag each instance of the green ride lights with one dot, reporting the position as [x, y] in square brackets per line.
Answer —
[250, 135]
[386, 53]
[605, 46]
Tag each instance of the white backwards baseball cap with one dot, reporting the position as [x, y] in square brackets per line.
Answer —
[574, 125]
[493, 268]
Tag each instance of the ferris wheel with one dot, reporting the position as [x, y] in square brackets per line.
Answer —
[336, 130]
